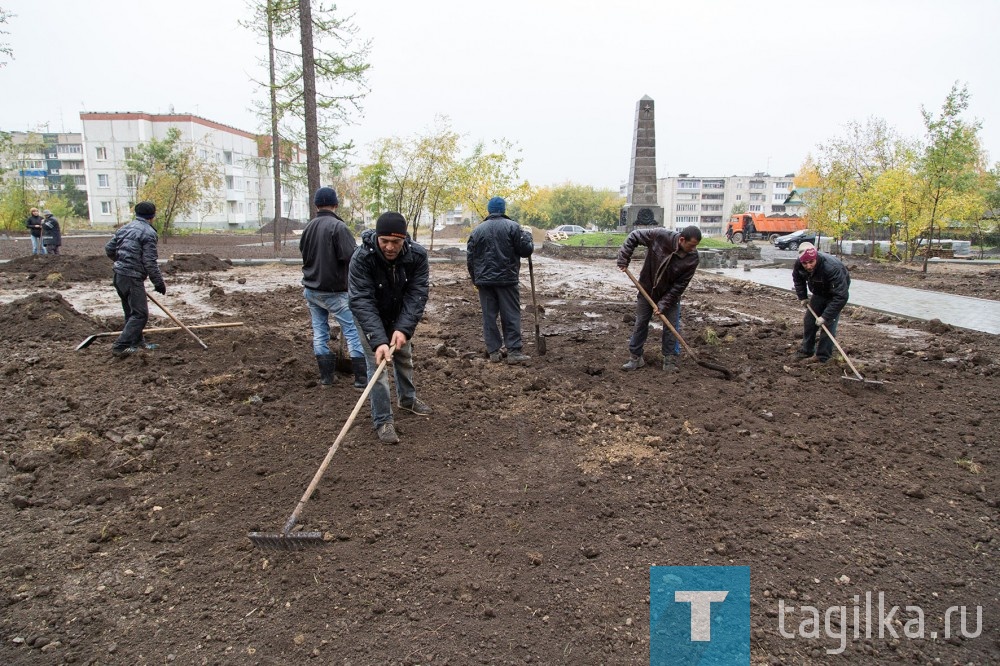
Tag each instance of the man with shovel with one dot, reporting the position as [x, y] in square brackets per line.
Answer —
[388, 288]
[493, 256]
[671, 260]
[828, 280]
[133, 249]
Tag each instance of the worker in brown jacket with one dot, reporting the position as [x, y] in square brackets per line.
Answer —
[671, 260]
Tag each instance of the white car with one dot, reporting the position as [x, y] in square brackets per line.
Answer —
[569, 229]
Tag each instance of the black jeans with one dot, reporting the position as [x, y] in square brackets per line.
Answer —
[132, 291]
[505, 302]
[825, 348]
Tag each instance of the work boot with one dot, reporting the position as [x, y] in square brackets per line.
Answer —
[496, 357]
[327, 368]
[150, 346]
[516, 356]
[360, 369]
[670, 363]
[387, 433]
[122, 353]
[801, 355]
[418, 407]
[634, 363]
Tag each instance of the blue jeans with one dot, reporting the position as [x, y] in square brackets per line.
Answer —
[643, 313]
[402, 366]
[321, 305]
[505, 302]
[37, 247]
[825, 348]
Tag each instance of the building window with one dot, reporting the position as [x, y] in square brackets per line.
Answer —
[779, 197]
[230, 181]
[756, 184]
[79, 180]
[713, 184]
[783, 185]
[127, 152]
[71, 148]
[102, 153]
[130, 181]
[777, 209]
[711, 207]
[227, 156]
[105, 208]
[687, 207]
[756, 197]
[686, 219]
[739, 197]
[688, 184]
[712, 197]
[754, 208]
[102, 180]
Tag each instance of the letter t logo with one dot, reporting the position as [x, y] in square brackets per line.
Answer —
[701, 610]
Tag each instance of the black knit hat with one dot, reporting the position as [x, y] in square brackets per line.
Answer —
[391, 224]
[145, 209]
[326, 196]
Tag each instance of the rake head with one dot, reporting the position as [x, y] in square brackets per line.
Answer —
[866, 383]
[286, 541]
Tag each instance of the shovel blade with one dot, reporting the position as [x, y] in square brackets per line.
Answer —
[283, 541]
[869, 383]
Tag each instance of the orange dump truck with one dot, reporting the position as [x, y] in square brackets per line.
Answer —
[745, 227]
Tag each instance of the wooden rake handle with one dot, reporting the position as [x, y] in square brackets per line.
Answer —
[336, 444]
[176, 320]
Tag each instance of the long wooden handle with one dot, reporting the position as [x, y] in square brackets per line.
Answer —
[839, 348]
[336, 445]
[176, 320]
[171, 329]
[534, 303]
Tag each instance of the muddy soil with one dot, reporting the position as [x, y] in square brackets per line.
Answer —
[517, 524]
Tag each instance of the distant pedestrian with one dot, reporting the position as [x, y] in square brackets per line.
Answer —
[671, 260]
[34, 224]
[133, 249]
[389, 284]
[51, 234]
[327, 246]
[493, 257]
[828, 280]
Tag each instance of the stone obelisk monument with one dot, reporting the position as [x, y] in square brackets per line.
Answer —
[641, 208]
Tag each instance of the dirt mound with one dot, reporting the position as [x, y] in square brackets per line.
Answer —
[195, 263]
[285, 226]
[68, 268]
[45, 316]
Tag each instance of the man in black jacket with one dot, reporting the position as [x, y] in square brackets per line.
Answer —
[493, 256]
[51, 233]
[133, 249]
[671, 260]
[327, 246]
[34, 224]
[388, 287]
[828, 280]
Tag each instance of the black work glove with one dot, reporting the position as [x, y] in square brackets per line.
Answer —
[161, 288]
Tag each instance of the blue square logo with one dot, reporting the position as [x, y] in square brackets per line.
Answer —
[699, 616]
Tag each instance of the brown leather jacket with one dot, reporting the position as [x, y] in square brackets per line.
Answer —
[665, 273]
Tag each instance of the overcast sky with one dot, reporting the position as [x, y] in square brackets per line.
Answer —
[739, 86]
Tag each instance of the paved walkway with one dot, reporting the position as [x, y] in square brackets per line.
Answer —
[978, 314]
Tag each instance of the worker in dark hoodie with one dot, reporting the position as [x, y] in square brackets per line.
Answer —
[388, 288]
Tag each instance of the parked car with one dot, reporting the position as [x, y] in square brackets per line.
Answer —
[570, 229]
[793, 240]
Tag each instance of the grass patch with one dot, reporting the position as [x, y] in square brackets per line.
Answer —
[615, 239]
[970, 465]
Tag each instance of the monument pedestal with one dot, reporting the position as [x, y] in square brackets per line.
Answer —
[640, 215]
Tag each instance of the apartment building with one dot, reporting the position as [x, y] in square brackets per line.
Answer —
[43, 158]
[707, 202]
[244, 198]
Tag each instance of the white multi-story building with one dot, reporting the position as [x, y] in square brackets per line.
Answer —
[707, 202]
[43, 158]
[244, 198]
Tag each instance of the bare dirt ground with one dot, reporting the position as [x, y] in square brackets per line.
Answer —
[514, 526]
